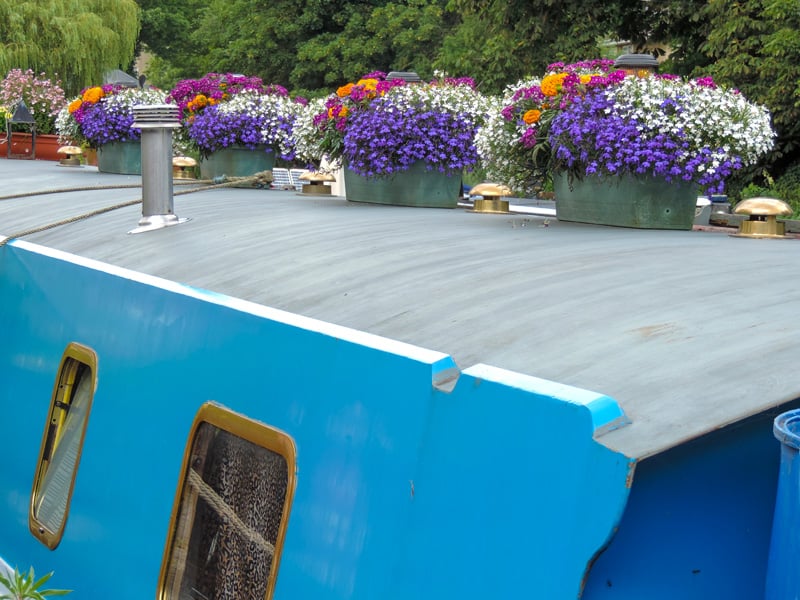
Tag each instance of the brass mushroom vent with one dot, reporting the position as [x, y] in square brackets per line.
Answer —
[492, 198]
[316, 183]
[72, 156]
[183, 167]
[763, 216]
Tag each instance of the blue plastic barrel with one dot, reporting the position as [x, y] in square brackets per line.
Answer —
[783, 570]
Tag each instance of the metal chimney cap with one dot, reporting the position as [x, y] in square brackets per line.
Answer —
[156, 115]
[408, 76]
[636, 61]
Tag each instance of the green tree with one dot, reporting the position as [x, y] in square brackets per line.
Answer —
[167, 40]
[501, 41]
[754, 46]
[399, 36]
[76, 40]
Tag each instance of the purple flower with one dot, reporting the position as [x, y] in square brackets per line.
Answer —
[387, 137]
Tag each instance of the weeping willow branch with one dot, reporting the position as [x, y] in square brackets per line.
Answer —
[77, 40]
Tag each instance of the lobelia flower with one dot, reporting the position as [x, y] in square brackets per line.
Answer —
[104, 114]
[250, 119]
[690, 130]
[513, 144]
[380, 127]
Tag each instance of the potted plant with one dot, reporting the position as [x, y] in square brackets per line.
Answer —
[236, 124]
[104, 117]
[21, 586]
[400, 142]
[513, 143]
[43, 98]
[635, 150]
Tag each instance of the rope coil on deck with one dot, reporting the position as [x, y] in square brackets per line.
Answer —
[223, 181]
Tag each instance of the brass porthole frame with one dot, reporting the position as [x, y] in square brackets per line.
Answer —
[255, 432]
[74, 356]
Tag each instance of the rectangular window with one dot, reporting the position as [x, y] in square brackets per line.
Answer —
[230, 514]
[62, 443]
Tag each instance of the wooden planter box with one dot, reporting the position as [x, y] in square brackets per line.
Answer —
[627, 201]
[415, 187]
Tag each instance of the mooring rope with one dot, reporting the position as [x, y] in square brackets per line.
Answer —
[219, 182]
[226, 513]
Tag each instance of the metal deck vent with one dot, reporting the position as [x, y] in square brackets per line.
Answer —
[164, 115]
[156, 122]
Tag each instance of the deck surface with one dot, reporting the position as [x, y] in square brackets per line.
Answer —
[687, 330]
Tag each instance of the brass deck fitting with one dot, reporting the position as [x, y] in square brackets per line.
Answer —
[183, 167]
[72, 156]
[763, 218]
[492, 198]
[314, 183]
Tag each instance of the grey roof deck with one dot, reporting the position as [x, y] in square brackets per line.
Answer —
[687, 330]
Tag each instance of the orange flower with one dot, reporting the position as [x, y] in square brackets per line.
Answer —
[531, 116]
[585, 79]
[337, 111]
[93, 94]
[370, 86]
[74, 105]
[551, 84]
[345, 90]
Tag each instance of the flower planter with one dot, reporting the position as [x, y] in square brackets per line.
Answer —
[46, 146]
[236, 161]
[124, 158]
[627, 201]
[415, 187]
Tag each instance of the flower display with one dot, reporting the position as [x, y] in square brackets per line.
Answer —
[43, 97]
[104, 114]
[194, 95]
[250, 119]
[514, 145]
[589, 119]
[663, 125]
[379, 126]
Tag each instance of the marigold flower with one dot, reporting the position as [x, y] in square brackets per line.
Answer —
[532, 116]
[337, 111]
[92, 95]
[345, 90]
[551, 84]
[369, 84]
[585, 79]
[74, 105]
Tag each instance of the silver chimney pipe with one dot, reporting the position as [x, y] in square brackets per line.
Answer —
[156, 122]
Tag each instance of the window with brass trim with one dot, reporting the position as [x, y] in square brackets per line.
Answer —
[231, 510]
[62, 444]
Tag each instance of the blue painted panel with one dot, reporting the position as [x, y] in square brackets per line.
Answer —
[698, 521]
[506, 466]
[513, 497]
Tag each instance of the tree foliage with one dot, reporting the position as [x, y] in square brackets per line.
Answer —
[755, 46]
[311, 46]
[501, 41]
[75, 40]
